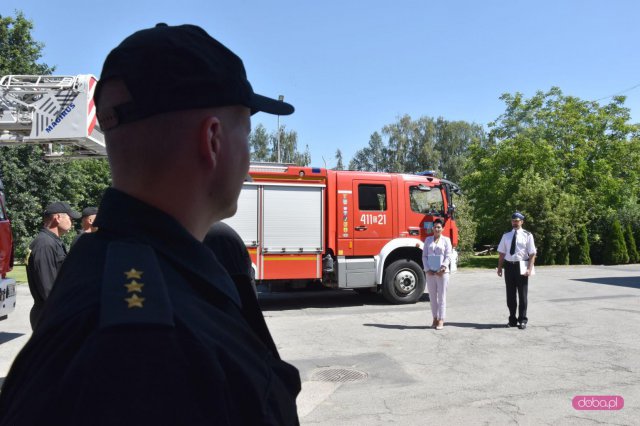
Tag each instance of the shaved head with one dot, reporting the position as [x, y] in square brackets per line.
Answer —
[196, 156]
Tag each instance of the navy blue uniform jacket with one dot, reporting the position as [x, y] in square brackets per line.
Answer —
[145, 327]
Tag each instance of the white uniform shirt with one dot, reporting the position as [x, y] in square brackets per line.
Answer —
[525, 246]
[442, 248]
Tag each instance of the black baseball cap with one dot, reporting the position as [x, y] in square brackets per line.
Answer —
[61, 207]
[172, 68]
[88, 211]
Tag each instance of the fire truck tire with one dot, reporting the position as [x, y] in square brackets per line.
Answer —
[403, 282]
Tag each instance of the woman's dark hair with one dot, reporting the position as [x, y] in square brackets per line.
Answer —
[439, 221]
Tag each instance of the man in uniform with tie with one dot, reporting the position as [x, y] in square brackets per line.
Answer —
[515, 246]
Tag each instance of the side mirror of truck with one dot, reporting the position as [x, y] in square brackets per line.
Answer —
[451, 210]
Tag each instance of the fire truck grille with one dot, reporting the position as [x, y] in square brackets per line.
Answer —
[338, 375]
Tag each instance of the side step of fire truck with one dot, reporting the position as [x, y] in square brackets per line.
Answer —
[51, 110]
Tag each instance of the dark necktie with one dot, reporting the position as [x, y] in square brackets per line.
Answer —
[513, 243]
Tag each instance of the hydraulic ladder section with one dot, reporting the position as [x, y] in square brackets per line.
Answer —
[51, 110]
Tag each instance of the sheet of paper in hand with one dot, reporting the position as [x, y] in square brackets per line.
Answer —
[524, 264]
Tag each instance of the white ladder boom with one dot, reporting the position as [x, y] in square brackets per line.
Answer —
[47, 109]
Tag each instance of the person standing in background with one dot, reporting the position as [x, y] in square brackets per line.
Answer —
[436, 259]
[46, 254]
[86, 222]
[515, 246]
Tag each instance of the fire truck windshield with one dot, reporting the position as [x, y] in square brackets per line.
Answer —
[426, 202]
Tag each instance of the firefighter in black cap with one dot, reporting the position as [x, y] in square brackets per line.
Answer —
[518, 254]
[86, 223]
[145, 326]
[46, 254]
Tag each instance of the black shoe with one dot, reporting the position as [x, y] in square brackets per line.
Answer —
[511, 324]
[522, 326]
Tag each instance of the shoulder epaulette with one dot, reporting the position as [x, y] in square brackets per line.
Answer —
[526, 232]
[133, 288]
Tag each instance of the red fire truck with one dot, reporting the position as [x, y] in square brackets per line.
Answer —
[344, 229]
[7, 285]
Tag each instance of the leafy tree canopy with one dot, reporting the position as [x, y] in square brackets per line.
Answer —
[30, 181]
[280, 146]
[417, 145]
[562, 161]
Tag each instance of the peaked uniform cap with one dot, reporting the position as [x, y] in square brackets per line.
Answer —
[61, 207]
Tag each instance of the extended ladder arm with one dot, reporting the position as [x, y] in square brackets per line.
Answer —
[50, 110]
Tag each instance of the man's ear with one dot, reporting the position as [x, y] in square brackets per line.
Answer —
[210, 140]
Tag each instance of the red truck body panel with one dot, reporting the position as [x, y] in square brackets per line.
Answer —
[349, 214]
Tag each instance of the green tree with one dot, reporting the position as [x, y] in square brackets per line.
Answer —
[579, 252]
[339, 165]
[466, 227]
[271, 147]
[453, 139]
[411, 145]
[19, 52]
[580, 154]
[629, 215]
[30, 181]
[289, 153]
[417, 145]
[615, 252]
[630, 241]
[259, 142]
[373, 158]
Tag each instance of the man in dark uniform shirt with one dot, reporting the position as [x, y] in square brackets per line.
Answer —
[46, 254]
[144, 326]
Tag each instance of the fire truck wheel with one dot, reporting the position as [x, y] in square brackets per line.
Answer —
[403, 282]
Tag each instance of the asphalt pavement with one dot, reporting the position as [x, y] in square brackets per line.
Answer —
[364, 362]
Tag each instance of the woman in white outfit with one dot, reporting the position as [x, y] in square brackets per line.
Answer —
[436, 258]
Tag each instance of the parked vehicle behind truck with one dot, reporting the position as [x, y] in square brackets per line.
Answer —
[342, 229]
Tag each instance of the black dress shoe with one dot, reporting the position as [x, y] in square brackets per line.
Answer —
[511, 324]
[522, 326]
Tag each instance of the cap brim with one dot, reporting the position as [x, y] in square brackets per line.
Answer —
[261, 103]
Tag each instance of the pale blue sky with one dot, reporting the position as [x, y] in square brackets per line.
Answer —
[351, 67]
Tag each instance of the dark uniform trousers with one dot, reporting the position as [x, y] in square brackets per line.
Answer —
[516, 283]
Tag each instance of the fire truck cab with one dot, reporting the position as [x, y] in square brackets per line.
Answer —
[344, 229]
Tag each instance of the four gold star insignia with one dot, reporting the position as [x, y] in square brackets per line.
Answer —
[134, 301]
